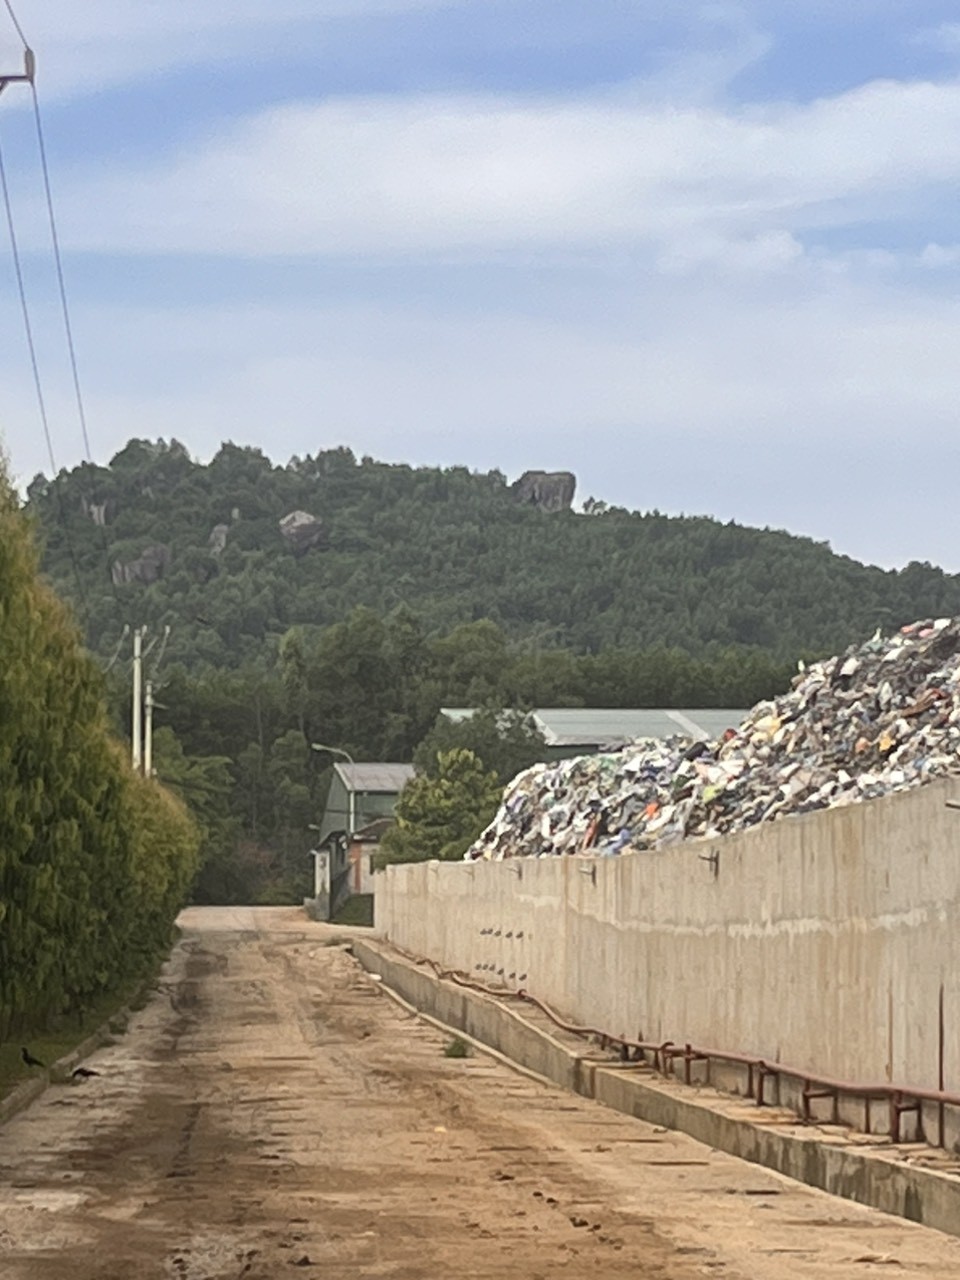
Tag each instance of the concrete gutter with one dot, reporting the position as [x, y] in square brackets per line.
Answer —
[868, 1170]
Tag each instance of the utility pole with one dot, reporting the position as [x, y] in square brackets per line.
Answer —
[148, 733]
[137, 729]
[29, 71]
[144, 704]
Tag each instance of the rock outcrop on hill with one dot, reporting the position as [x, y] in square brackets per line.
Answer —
[548, 490]
[149, 567]
[302, 531]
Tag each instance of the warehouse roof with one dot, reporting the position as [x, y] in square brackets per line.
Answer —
[375, 776]
[610, 727]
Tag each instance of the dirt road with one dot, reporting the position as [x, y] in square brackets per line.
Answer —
[272, 1109]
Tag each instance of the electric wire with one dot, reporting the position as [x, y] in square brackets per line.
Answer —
[55, 241]
[163, 649]
[71, 345]
[62, 289]
[35, 364]
[58, 261]
[37, 382]
[65, 313]
[17, 27]
[25, 311]
[116, 654]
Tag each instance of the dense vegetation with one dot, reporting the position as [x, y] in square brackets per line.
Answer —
[452, 546]
[440, 813]
[95, 861]
[418, 588]
[236, 744]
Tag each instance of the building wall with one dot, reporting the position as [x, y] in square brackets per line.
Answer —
[361, 857]
[821, 941]
[375, 804]
[351, 811]
[336, 813]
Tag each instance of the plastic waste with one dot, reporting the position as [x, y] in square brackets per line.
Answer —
[881, 717]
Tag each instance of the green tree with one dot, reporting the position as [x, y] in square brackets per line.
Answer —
[95, 861]
[456, 550]
[440, 815]
[504, 741]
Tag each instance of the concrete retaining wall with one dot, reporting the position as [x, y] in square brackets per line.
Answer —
[827, 941]
[838, 1163]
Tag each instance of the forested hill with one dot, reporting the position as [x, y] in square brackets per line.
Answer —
[156, 537]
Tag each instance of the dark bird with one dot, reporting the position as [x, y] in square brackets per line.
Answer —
[84, 1073]
[29, 1059]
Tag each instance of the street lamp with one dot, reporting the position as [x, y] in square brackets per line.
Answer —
[335, 751]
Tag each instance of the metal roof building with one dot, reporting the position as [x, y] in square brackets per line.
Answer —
[360, 797]
[374, 777]
[581, 730]
[360, 793]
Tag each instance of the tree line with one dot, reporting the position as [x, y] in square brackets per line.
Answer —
[236, 745]
[429, 587]
[451, 545]
[95, 861]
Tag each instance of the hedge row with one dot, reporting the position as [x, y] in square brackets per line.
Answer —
[95, 861]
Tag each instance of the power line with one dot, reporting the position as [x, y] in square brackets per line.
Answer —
[58, 260]
[30, 76]
[163, 649]
[25, 309]
[116, 655]
[29, 63]
[17, 26]
[30, 68]
[64, 304]
[35, 366]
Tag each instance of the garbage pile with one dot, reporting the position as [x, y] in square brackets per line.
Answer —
[880, 718]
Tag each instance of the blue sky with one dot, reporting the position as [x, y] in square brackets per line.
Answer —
[705, 256]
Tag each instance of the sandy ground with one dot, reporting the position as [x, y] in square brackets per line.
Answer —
[272, 1108]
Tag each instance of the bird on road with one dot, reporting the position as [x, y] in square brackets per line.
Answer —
[84, 1073]
[29, 1059]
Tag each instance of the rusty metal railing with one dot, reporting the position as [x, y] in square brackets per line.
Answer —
[901, 1099]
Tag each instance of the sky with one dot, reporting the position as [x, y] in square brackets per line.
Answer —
[707, 257]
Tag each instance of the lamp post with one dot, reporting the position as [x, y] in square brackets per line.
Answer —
[334, 751]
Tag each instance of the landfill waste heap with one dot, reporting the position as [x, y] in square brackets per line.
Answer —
[881, 717]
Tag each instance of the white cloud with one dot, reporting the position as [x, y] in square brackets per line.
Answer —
[787, 388]
[721, 42]
[945, 37]
[397, 175]
[85, 47]
[95, 44]
[706, 351]
[937, 256]
[822, 403]
[770, 251]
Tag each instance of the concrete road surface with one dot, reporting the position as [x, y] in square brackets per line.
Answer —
[272, 1109]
